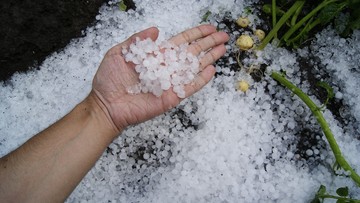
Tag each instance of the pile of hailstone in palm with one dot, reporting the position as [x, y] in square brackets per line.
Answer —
[161, 65]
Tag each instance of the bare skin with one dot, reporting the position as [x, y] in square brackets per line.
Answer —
[51, 164]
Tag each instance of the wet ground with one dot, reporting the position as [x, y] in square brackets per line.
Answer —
[30, 30]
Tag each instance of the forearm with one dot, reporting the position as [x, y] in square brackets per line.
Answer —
[50, 165]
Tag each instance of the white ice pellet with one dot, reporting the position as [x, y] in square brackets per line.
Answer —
[165, 85]
[164, 153]
[159, 70]
[122, 155]
[146, 156]
[316, 151]
[309, 152]
[299, 110]
[338, 95]
[291, 125]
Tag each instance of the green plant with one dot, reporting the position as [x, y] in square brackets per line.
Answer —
[122, 6]
[329, 90]
[205, 16]
[341, 197]
[328, 10]
[125, 5]
[340, 160]
[321, 14]
[280, 23]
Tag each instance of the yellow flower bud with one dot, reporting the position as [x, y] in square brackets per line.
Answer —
[260, 34]
[245, 42]
[243, 22]
[243, 86]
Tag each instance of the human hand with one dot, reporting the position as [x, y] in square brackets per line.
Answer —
[115, 75]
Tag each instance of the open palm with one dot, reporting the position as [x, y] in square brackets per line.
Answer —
[115, 75]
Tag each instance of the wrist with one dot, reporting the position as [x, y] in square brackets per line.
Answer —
[100, 112]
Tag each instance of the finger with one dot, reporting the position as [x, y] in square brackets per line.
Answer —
[200, 81]
[151, 33]
[211, 56]
[208, 42]
[193, 34]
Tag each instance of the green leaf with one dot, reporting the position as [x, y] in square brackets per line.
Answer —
[206, 16]
[341, 22]
[322, 190]
[328, 88]
[355, 23]
[329, 12]
[267, 9]
[343, 191]
[315, 200]
[302, 36]
[354, 19]
[122, 6]
[354, 2]
[355, 11]
[340, 201]
[248, 10]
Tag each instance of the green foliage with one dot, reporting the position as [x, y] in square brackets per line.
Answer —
[205, 16]
[341, 197]
[340, 23]
[316, 111]
[353, 20]
[122, 6]
[329, 90]
[322, 190]
[320, 14]
[248, 10]
[343, 191]
[300, 23]
[266, 8]
[279, 24]
[328, 13]
[355, 23]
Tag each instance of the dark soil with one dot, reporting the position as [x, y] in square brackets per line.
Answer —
[31, 30]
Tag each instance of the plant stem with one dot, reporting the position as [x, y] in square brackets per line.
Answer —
[273, 12]
[313, 24]
[310, 25]
[279, 24]
[297, 12]
[321, 120]
[338, 198]
[307, 17]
